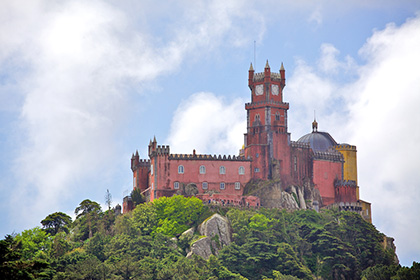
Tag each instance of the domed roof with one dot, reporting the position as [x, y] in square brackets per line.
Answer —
[319, 141]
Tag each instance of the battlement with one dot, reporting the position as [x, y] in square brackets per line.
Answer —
[143, 162]
[345, 183]
[346, 147]
[259, 77]
[347, 206]
[208, 157]
[331, 156]
[162, 150]
[302, 145]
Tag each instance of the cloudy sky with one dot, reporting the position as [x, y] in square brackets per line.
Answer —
[83, 84]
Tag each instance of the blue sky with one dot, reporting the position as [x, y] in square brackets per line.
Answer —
[83, 84]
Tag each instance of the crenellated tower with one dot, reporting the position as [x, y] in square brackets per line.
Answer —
[267, 140]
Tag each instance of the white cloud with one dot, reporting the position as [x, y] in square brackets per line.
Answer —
[75, 61]
[379, 113]
[385, 120]
[315, 17]
[209, 124]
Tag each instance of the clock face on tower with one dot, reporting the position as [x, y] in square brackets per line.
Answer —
[275, 89]
[259, 89]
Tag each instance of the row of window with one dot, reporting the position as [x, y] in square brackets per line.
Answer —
[258, 118]
[202, 170]
[205, 185]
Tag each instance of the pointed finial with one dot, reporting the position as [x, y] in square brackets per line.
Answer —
[154, 139]
[282, 67]
[137, 153]
[266, 65]
[150, 142]
[251, 68]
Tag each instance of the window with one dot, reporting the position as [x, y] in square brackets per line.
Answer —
[202, 169]
[257, 117]
[241, 170]
[151, 169]
[295, 163]
[152, 186]
[205, 185]
[237, 186]
[176, 185]
[135, 182]
[180, 169]
[277, 116]
[222, 170]
[257, 155]
[257, 170]
[222, 186]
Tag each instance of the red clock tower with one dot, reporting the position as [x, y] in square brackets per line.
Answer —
[267, 140]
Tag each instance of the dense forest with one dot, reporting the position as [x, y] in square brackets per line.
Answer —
[144, 244]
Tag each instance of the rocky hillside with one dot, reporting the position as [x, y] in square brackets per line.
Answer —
[180, 238]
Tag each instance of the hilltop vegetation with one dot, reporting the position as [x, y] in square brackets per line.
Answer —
[267, 244]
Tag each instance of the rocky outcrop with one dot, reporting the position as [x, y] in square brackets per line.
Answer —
[273, 195]
[218, 228]
[215, 233]
[203, 247]
[388, 244]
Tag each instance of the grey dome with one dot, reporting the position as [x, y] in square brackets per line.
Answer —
[319, 141]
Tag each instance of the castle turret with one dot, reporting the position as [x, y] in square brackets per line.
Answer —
[267, 139]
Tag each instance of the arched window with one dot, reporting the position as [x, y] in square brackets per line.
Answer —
[176, 185]
[222, 186]
[257, 117]
[205, 185]
[222, 170]
[241, 170]
[237, 185]
[180, 169]
[202, 169]
[277, 116]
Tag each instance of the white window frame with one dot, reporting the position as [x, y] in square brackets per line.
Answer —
[176, 185]
[205, 185]
[180, 169]
[222, 186]
[257, 170]
[241, 170]
[237, 185]
[222, 170]
[202, 169]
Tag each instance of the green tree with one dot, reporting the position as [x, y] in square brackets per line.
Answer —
[35, 243]
[90, 210]
[14, 266]
[56, 222]
[177, 213]
[108, 199]
[137, 197]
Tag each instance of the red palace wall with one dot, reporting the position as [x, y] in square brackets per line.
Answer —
[165, 174]
[325, 173]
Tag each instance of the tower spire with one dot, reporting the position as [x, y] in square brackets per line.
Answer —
[266, 64]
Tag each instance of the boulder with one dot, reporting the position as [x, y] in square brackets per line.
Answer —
[203, 247]
[288, 201]
[217, 228]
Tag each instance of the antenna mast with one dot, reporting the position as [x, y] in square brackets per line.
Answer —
[255, 65]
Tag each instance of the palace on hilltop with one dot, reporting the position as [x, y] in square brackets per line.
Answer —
[268, 154]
